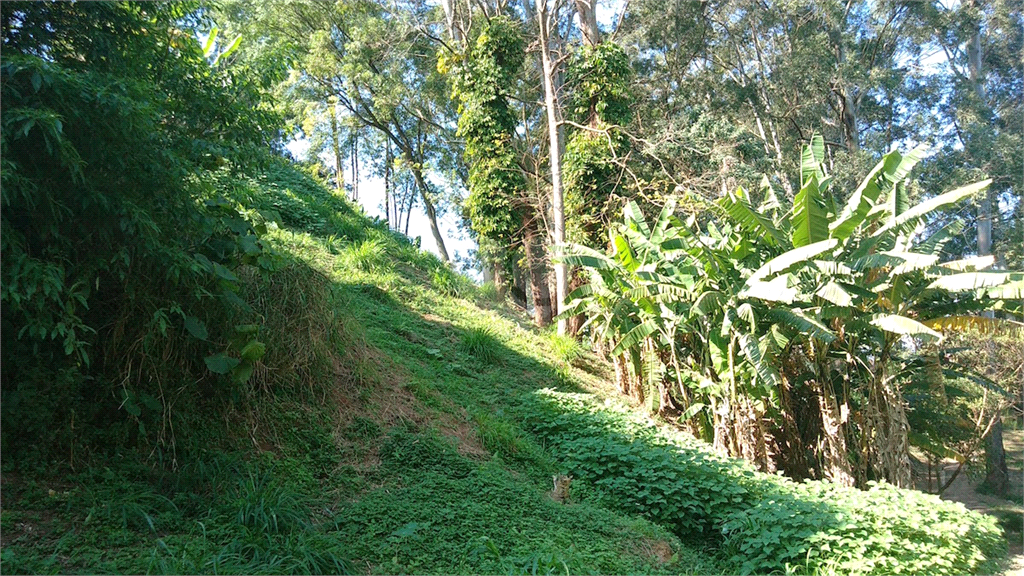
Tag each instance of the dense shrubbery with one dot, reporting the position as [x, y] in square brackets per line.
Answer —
[119, 256]
[763, 523]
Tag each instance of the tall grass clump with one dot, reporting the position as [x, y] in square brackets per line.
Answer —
[482, 343]
[449, 282]
[566, 349]
[369, 255]
[488, 292]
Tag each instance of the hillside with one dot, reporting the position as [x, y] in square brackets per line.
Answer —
[366, 410]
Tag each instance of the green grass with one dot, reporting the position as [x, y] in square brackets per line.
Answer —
[396, 424]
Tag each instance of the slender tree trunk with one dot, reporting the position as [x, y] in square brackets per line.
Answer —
[534, 245]
[850, 129]
[551, 104]
[428, 207]
[454, 30]
[339, 175]
[995, 454]
[387, 182]
[355, 166]
[408, 211]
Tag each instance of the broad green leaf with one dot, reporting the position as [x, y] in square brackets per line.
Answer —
[970, 281]
[210, 40]
[899, 262]
[221, 363]
[692, 411]
[795, 256]
[775, 290]
[253, 351]
[937, 241]
[230, 49]
[633, 214]
[771, 202]
[664, 221]
[863, 199]
[624, 253]
[634, 337]
[707, 303]
[795, 318]
[1013, 290]
[766, 370]
[930, 205]
[835, 294]
[586, 261]
[811, 157]
[196, 327]
[740, 210]
[898, 202]
[241, 373]
[907, 163]
[973, 263]
[810, 215]
[904, 326]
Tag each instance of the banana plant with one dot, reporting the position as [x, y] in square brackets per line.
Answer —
[724, 322]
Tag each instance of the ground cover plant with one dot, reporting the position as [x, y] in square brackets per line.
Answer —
[763, 523]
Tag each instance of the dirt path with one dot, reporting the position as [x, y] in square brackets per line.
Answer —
[964, 490]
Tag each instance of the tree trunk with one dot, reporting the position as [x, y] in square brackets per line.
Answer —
[587, 10]
[997, 476]
[518, 287]
[355, 167]
[428, 207]
[454, 30]
[387, 182]
[551, 105]
[850, 129]
[408, 210]
[339, 175]
[535, 259]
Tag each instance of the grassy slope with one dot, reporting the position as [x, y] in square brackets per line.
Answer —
[400, 423]
[376, 438]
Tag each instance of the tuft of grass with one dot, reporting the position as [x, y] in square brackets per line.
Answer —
[450, 283]
[482, 344]
[264, 506]
[499, 436]
[566, 349]
[368, 255]
[488, 292]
